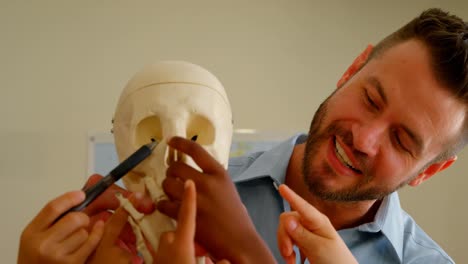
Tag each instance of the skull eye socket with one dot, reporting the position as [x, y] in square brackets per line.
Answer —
[200, 130]
[148, 128]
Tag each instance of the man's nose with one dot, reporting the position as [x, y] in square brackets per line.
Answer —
[368, 137]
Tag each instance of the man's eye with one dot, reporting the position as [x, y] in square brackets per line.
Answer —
[398, 141]
[371, 102]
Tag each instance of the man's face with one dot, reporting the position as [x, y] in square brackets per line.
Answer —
[381, 129]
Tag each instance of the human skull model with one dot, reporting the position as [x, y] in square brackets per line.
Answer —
[167, 99]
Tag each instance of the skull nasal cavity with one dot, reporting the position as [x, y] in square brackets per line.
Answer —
[174, 156]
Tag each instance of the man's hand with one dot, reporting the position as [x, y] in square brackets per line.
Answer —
[311, 231]
[65, 241]
[224, 227]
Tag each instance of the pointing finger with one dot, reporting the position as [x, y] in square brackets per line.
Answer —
[187, 213]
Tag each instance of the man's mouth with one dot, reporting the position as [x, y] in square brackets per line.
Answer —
[343, 158]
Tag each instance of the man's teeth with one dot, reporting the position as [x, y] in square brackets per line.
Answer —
[341, 154]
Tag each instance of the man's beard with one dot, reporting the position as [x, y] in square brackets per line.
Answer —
[311, 174]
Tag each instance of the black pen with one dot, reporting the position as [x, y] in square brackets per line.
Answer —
[123, 168]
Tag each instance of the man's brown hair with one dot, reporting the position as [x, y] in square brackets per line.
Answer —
[446, 37]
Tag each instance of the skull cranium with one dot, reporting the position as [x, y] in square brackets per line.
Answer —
[170, 98]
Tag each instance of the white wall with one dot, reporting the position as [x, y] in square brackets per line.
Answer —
[63, 64]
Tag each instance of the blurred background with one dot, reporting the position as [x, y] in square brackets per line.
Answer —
[64, 64]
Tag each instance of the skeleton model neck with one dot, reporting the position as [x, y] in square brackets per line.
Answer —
[167, 99]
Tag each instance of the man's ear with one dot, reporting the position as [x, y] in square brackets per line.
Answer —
[432, 170]
[355, 66]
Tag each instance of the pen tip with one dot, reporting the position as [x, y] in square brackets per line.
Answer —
[153, 143]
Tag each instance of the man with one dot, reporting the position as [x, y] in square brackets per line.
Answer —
[397, 118]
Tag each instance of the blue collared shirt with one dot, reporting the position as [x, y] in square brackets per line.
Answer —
[393, 236]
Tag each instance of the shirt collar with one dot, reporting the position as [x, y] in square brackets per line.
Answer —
[389, 221]
[274, 162]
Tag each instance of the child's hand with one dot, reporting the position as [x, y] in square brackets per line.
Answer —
[224, 227]
[311, 231]
[65, 241]
[178, 246]
[109, 249]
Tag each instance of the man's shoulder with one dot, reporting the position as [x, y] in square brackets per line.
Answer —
[418, 246]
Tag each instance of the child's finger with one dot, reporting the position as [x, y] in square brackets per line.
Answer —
[67, 226]
[73, 242]
[291, 259]
[91, 243]
[311, 218]
[285, 243]
[187, 214]
[55, 208]
[114, 226]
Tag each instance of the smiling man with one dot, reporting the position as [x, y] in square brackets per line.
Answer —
[397, 117]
